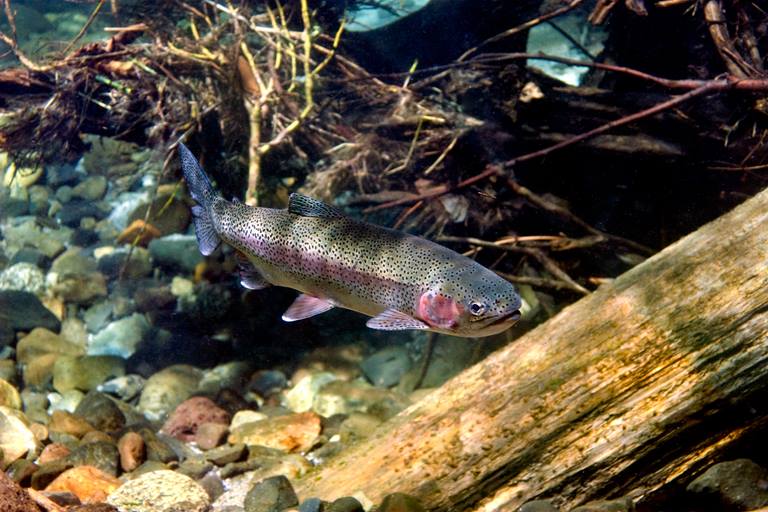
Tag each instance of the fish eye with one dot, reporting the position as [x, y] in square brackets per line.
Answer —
[477, 308]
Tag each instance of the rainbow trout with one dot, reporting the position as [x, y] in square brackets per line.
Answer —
[401, 281]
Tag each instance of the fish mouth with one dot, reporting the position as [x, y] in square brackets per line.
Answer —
[514, 316]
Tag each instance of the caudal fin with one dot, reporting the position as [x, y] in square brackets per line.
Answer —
[202, 192]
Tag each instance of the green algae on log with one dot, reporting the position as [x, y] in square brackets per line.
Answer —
[640, 383]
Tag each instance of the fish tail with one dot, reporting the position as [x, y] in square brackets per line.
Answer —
[202, 192]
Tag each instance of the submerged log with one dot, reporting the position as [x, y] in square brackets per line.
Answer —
[629, 388]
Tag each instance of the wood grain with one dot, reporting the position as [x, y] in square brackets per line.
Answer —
[630, 387]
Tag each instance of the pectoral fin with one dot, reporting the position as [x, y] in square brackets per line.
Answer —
[392, 320]
[306, 306]
[250, 277]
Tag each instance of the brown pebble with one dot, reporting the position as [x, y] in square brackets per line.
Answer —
[68, 423]
[210, 435]
[53, 451]
[40, 431]
[132, 451]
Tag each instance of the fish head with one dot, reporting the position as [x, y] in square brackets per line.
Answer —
[474, 302]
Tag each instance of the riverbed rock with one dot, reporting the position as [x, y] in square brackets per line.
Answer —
[125, 387]
[737, 485]
[53, 452]
[289, 433]
[156, 448]
[23, 311]
[88, 483]
[226, 454]
[190, 414]
[50, 242]
[73, 212]
[69, 423]
[386, 367]
[160, 491]
[132, 451]
[38, 352]
[73, 262]
[67, 401]
[301, 396]
[617, 505]
[16, 437]
[272, 494]
[81, 289]
[100, 454]
[9, 395]
[73, 330]
[167, 388]
[211, 435]
[85, 372]
[176, 251]
[345, 504]
[231, 375]
[266, 383]
[400, 502]
[169, 215]
[32, 256]
[101, 412]
[139, 233]
[116, 262]
[246, 416]
[26, 277]
[120, 338]
[342, 397]
[92, 188]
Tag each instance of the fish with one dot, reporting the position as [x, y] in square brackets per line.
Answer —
[400, 281]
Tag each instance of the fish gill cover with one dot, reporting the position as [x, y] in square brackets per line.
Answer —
[421, 163]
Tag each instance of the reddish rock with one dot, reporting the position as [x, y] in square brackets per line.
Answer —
[190, 414]
[211, 435]
[88, 483]
[132, 451]
[13, 498]
[53, 451]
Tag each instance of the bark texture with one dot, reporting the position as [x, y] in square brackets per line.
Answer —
[635, 385]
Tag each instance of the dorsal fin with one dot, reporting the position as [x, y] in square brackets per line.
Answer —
[309, 207]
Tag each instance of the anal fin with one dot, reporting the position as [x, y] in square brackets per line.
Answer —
[250, 277]
[306, 306]
[393, 320]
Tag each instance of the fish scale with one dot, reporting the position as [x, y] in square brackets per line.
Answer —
[400, 280]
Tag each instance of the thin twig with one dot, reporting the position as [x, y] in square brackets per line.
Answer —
[537, 282]
[87, 24]
[524, 26]
[426, 358]
[714, 85]
[718, 30]
[565, 213]
[720, 84]
[44, 501]
[13, 44]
